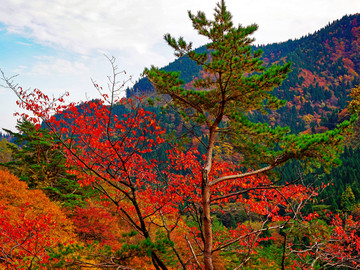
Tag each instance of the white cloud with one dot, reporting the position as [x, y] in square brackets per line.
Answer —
[87, 24]
[24, 43]
[137, 26]
[133, 29]
[49, 65]
[82, 25]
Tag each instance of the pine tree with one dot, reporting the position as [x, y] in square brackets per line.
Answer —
[38, 162]
[236, 83]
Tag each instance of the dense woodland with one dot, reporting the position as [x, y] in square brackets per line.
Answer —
[232, 157]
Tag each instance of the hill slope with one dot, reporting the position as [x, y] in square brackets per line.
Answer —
[326, 65]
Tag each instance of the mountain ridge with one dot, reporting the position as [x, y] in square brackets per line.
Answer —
[325, 64]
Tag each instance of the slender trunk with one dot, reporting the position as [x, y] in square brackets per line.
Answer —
[154, 262]
[205, 194]
[157, 262]
[207, 223]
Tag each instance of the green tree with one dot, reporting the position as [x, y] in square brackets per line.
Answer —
[38, 162]
[348, 200]
[236, 83]
[5, 151]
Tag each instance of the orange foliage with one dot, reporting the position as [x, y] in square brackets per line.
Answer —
[356, 33]
[29, 223]
[337, 50]
[15, 194]
[96, 223]
[311, 79]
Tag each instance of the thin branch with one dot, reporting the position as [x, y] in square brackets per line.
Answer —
[244, 236]
[192, 252]
[238, 176]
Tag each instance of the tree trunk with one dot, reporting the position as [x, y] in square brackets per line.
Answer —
[207, 222]
[205, 194]
[157, 262]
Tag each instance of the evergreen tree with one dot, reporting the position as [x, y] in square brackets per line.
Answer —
[347, 199]
[37, 161]
[235, 83]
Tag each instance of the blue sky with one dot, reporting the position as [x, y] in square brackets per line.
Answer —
[58, 45]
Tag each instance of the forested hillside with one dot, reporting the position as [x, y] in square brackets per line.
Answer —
[114, 183]
[325, 67]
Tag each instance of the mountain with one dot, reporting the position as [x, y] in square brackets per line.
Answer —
[325, 64]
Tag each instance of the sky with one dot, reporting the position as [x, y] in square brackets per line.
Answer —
[59, 45]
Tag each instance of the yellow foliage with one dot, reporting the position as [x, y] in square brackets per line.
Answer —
[308, 119]
[5, 151]
[15, 194]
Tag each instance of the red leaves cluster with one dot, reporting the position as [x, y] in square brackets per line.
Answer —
[105, 144]
[23, 240]
[94, 223]
[39, 104]
[257, 192]
[29, 224]
[254, 195]
[337, 245]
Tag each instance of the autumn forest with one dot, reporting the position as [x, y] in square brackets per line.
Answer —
[234, 156]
